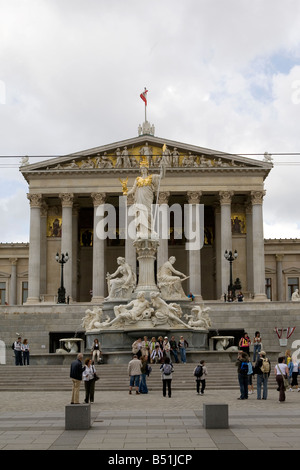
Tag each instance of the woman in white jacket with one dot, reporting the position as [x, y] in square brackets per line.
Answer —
[89, 381]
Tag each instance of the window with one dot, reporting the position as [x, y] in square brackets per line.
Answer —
[2, 293]
[24, 291]
[268, 287]
[293, 284]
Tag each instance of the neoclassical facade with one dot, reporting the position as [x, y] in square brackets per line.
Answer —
[68, 198]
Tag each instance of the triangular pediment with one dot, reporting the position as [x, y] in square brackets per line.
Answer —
[126, 155]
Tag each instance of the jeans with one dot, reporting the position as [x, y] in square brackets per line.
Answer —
[243, 381]
[167, 383]
[256, 350]
[174, 352]
[18, 358]
[202, 383]
[143, 384]
[134, 380]
[262, 380]
[26, 357]
[183, 355]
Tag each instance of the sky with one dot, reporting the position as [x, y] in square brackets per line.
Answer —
[220, 74]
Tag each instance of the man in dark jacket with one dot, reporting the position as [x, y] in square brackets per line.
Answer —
[262, 369]
[76, 375]
[242, 367]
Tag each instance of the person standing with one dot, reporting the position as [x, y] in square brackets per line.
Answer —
[25, 352]
[244, 344]
[182, 344]
[76, 371]
[89, 381]
[143, 382]
[262, 369]
[18, 352]
[173, 348]
[96, 351]
[134, 372]
[281, 372]
[166, 375]
[242, 365]
[256, 346]
[167, 348]
[200, 373]
[295, 371]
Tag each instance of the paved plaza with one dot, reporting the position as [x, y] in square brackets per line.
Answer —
[123, 422]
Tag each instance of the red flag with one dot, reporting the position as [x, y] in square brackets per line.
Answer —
[144, 96]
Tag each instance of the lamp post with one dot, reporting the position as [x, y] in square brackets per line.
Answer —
[231, 257]
[61, 290]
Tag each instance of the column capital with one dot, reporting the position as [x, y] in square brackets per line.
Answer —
[226, 196]
[194, 197]
[163, 197]
[66, 199]
[257, 196]
[279, 257]
[35, 200]
[13, 261]
[98, 198]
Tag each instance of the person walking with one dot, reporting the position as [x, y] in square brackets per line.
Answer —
[281, 373]
[18, 352]
[200, 373]
[262, 369]
[242, 368]
[144, 368]
[25, 352]
[76, 371]
[166, 375]
[256, 346]
[89, 381]
[134, 372]
[182, 344]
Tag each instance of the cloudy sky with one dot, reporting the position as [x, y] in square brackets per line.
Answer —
[221, 74]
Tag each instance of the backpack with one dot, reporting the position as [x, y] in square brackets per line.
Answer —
[265, 367]
[199, 371]
[13, 346]
[167, 369]
[244, 368]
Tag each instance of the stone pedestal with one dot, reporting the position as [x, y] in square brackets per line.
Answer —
[78, 416]
[146, 250]
[215, 416]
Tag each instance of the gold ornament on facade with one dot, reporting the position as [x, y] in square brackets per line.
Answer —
[124, 186]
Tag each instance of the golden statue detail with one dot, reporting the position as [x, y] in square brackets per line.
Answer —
[124, 186]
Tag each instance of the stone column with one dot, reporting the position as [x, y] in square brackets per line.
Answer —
[258, 246]
[13, 282]
[249, 247]
[218, 288]
[130, 252]
[279, 277]
[67, 239]
[98, 252]
[34, 263]
[162, 250]
[226, 238]
[75, 251]
[44, 213]
[194, 256]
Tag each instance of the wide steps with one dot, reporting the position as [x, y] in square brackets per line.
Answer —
[115, 378]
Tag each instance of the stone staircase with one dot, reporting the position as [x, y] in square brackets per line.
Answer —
[114, 377]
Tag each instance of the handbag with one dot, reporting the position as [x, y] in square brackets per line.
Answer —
[96, 377]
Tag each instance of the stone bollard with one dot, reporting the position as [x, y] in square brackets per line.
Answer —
[215, 416]
[78, 416]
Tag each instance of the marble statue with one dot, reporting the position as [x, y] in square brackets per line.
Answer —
[169, 280]
[143, 192]
[92, 319]
[122, 282]
[199, 318]
[296, 296]
[165, 313]
[136, 310]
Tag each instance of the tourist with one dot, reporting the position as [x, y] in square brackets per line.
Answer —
[182, 344]
[76, 371]
[145, 348]
[96, 351]
[281, 373]
[173, 348]
[156, 355]
[294, 370]
[166, 376]
[250, 377]
[262, 369]
[242, 365]
[244, 344]
[200, 373]
[144, 368]
[136, 347]
[18, 352]
[256, 346]
[134, 372]
[25, 352]
[152, 345]
[166, 348]
[89, 381]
